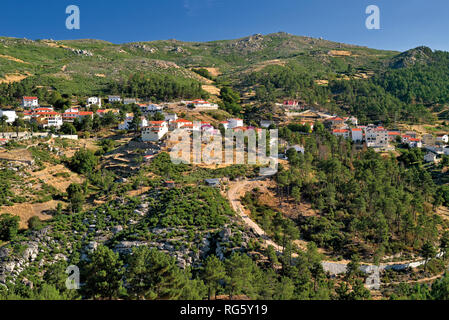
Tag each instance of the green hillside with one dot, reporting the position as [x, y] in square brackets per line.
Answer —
[373, 84]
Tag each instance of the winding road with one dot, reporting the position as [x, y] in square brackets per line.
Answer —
[235, 192]
[238, 189]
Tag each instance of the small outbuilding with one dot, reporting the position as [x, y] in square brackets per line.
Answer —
[213, 182]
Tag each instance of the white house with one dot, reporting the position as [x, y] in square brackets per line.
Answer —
[234, 123]
[152, 108]
[11, 116]
[72, 110]
[112, 99]
[193, 126]
[170, 117]
[204, 105]
[377, 137]
[30, 102]
[126, 125]
[414, 143]
[179, 123]
[129, 101]
[357, 135]
[51, 119]
[155, 131]
[94, 101]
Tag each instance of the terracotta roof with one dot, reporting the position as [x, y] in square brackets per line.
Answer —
[336, 119]
[85, 113]
[340, 131]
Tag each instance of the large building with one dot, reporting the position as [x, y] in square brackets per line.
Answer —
[155, 131]
[112, 99]
[179, 123]
[49, 119]
[235, 123]
[376, 137]
[151, 109]
[357, 135]
[94, 101]
[30, 102]
[204, 105]
[129, 101]
[11, 116]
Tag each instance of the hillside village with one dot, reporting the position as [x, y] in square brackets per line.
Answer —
[373, 136]
[358, 208]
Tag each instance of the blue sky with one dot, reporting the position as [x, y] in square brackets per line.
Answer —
[405, 24]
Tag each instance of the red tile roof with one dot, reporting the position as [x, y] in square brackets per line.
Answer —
[340, 131]
[336, 119]
[85, 113]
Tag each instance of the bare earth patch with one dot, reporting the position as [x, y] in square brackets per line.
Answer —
[211, 89]
[12, 58]
[340, 53]
[13, 77]
[215, 72]
[25, 211]
[16, 155]
[275, 62]
[57, 176]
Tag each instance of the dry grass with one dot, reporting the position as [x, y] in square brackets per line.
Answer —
[215, 72]
[16, 155]
[12, 58]
[275, 62]
[13, 77]
[59, 182]
[340, 53]
[211, 89]
[25, 211]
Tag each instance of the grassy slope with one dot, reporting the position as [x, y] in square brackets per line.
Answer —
[55, 63]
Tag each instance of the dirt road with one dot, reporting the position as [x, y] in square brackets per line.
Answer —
[236, 191]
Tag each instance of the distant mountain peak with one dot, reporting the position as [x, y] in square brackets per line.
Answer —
[418, 55]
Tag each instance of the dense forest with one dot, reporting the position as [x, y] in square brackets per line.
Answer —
[401, 93]
[154, 87]
[366, 204]
[158, 88]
